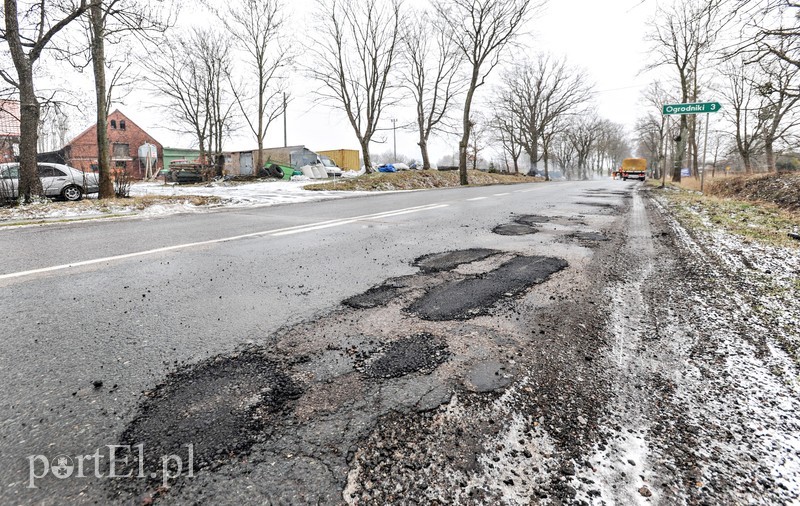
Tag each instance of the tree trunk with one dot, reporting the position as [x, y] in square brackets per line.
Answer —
[30, 186]
[463, 145]
[546, 156]
[423, 148]
[99, 67]
[680, 150]
[365, 154]
[770, 154]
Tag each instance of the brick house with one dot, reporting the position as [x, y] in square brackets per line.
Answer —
[124, 139]
[9, 130]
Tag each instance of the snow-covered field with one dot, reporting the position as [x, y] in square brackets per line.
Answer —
[155, 198]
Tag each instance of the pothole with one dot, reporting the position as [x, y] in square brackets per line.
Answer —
[449, 260]
[532, 219]
[514, 229]
[220, 407]
[421, 353]
[467, 298]
[589, 236]
[374, 297]
[597, 204]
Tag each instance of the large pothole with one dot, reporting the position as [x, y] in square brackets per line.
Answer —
[467, 298]
[374, 297]
[216, 410]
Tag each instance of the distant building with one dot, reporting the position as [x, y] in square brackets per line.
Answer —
[9, 130]
[124, 139]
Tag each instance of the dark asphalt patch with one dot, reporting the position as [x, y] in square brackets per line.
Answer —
[376, 296]
[467, 298]
[448, 260]
[514, 229]
[532, 219]
[597, 204]
[589, 236]
[221, 407]
[418, 353]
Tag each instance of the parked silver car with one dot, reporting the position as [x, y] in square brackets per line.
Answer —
[57, 181]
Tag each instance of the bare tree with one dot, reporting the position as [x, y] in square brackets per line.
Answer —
[583, 134]
[108, 21]
[353, 59]
[482, 29]
[745, 113]
[432, 62]
[27, 36]
[682, 34]
[776, 82]
[506, 131]
[257, 28]
[193, 76]
[542, 92]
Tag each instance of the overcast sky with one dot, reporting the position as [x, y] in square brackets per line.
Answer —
[606, 38]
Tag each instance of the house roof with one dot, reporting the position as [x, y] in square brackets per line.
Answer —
[115, 112]
[9, 118]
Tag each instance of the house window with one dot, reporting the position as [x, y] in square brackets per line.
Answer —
[121, 151]
[120, 165]
[113, 124]
[122, 124]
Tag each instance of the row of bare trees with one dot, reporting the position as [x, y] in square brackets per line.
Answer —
[755, 74]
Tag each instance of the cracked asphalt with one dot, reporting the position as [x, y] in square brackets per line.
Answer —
[438, 347]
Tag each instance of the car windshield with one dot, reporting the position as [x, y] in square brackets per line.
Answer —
[327, 161]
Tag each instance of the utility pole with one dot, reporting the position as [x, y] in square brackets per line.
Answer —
[284, 120]
[394, 130]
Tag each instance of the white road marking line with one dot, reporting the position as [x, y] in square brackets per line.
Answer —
[328, 225]
[478, 198]
[501, 194]
[273, 233]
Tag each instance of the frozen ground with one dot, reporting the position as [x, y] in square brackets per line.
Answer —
[157, 199]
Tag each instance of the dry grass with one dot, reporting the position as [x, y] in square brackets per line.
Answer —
[417, 180]
[763, 208]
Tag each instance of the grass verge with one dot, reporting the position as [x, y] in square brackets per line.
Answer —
[760, 221]
[418, 180]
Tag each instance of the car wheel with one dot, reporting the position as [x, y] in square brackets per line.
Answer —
[72, 193]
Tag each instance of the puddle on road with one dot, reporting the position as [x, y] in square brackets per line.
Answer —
[467, 298]
[221, 406]
[418, 353]
[449, 260]
[514, 229]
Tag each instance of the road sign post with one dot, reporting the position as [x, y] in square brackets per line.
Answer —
[693, 108]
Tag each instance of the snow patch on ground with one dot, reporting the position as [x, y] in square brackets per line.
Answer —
[182, 199]
[741, 387]
[236, 194]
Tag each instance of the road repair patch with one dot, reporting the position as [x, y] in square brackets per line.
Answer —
[221, 407]
[467, 298]
[421, 353]
[514, 229]
[376, 296]
[532, 219]
[449, 260]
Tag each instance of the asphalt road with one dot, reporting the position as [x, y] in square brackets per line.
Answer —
[308, 354]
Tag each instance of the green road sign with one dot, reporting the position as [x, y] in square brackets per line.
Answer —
[698, 108]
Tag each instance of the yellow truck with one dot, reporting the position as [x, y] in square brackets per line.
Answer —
[634, 168]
